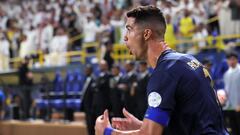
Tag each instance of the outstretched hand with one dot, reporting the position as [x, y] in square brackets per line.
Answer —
[102, 122]
[128, 123]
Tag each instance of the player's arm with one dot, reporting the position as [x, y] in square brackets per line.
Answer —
[161, 103]
[149, 127]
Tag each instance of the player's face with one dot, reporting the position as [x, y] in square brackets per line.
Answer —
[134, 39]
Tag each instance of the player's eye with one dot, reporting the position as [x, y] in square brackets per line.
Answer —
[128, 30]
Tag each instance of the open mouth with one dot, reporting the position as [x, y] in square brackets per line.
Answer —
[130, 52]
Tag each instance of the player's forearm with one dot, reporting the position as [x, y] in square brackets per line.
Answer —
[148, 127]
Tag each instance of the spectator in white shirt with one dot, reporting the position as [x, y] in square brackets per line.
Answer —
[201, 34]
[90, 30]
[57, 49]
[4, 53]
[3, 19]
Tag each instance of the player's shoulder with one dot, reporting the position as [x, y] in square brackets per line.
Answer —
[172, 61]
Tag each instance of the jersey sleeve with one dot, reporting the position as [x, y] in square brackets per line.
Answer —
[161, 97]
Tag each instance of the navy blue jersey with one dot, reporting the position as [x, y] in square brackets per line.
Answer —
[181, 98]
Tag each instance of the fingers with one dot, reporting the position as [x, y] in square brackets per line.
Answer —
[119, 120]
[119, 123]
[127, 114]
[99, 118]
[105, 116]
[115, 124]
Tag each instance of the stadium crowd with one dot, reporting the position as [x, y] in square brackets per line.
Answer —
[50, 25]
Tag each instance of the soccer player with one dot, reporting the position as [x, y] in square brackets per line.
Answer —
[180, 95]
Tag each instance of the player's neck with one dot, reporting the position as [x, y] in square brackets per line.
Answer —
[154, 52]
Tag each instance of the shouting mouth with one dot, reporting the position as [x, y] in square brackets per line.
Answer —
[130, 51]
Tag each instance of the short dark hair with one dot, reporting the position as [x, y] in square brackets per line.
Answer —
[231, 53]
[150, 15]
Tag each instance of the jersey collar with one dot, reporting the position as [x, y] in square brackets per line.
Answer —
[164, 53]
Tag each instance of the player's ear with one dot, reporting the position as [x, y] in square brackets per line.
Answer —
[147, 34]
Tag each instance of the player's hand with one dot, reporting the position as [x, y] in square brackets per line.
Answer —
[128, 123]
[102, 122]
[222, 97]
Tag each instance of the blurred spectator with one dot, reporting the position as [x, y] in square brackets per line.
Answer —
[2, 104]
[13, 34]
[186, 29]
[97, 11]
[235, 16]
[87, 99]
[24, 48]
[58, 48]
[44, 36]
[107, 54]
[211, 8]
[120, 4]
[201, 34]
[171, 30]
[25, 82]
[186, 5]
[90, 30]
[115, 93]
[186, 25]
[232, 87]
[3, 19]
[4, 53]
[104, 30]
[70, 18]
[17, 108]
[169, 7]
[59, 42]
[101, 97]
[231, 81]
[31, 41]
[82, 13]
[225, 20]
[128, 86]
[118, 23]
[199, 13]
[141, 90]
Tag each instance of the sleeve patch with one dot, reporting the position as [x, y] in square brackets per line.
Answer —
[154, 99]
